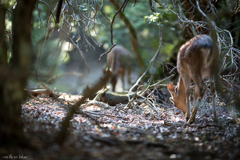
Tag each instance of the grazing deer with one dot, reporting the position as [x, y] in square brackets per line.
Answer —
[119, 60]
[196, 60]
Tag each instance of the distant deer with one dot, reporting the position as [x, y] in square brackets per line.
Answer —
[196, 60]
[119, 60]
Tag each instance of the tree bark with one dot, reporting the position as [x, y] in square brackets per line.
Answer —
[14, 78]
[3, 44]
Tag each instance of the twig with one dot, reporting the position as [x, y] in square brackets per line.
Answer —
[114, 19]
[100, 93]
[100, 57]
[39, 55]
[48, 8]
[75, 45]
[149, 66]
[97, 103]
[101, 9]
[65, 124]
[151, 6]
[158, 83]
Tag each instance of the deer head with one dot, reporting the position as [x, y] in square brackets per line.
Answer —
[178, 97]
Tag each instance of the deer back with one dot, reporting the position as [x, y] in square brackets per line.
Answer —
[119, 59]
[195, 57]
[195, 60]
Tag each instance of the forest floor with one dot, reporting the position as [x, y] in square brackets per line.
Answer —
[138, 133]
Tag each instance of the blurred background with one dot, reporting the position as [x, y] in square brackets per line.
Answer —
[61, 66]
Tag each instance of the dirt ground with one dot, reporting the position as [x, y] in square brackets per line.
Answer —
[116, 132]
[136, 133]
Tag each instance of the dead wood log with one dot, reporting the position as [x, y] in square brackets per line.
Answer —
[114, 98]
[38, 92]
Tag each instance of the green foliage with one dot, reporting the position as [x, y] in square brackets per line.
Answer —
[120, 31]
[161, 17]
[167, 48]
[145, 23]
[140, 16]
[155, 17]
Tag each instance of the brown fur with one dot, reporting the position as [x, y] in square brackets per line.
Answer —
[194, 62]
[119, 60]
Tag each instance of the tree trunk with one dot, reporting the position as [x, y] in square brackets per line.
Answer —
[13, 79]
[3, 44]
[132, 33]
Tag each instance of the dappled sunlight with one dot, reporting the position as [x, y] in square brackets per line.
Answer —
[63, 93]
[167, 128]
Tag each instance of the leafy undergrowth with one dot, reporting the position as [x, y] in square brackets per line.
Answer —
[138, 133]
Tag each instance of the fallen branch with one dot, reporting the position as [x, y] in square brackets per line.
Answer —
[94, 102]
[114, 98]
[37, 92]
[87, 93]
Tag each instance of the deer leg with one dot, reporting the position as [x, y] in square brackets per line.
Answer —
[201, 90]
[186, 80]
[195, 93]
[122, 78]
[212, 86]
[128, 76]
[113, 82]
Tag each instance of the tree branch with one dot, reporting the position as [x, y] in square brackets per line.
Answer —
[87, 93]
[132, 33]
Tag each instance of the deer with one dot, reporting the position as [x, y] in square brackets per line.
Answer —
[196, 60]
[119, 60]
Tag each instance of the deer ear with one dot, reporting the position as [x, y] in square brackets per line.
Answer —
[171, 88]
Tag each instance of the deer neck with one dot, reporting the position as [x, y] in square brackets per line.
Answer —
[181, 96]
[181, 88]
